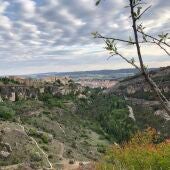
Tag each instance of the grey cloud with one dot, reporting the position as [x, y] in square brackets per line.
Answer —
[34, 33]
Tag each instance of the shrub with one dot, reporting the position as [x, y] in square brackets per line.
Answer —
[46, 138]
[51, 101]
[36, 157]
[45, 148]
[6, 113]
[50, 156]
[101, 148]
[140, 152]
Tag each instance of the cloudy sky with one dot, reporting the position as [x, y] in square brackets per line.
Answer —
[55, 35]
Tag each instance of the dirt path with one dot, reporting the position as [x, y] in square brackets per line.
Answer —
[62, 150]
[45, 155]
[66, 165]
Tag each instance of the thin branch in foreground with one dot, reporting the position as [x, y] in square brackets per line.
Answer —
[153, 38]
[143, 12]
[131, 62]
[163, 49]
[97, 35]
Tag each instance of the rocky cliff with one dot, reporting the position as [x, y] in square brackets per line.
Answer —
[18, 92]
[137, 87]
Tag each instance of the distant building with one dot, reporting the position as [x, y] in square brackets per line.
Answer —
[94, 83]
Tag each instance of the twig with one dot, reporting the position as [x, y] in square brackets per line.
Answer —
[154, 38]
[124, 58]
[143, 12]
[115, 39]
[140, 3]
[162, 48]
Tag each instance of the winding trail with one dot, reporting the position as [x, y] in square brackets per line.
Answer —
[45, 155]
[62, 150]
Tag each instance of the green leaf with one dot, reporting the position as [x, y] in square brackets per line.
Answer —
[98, 2]
[135, 14]
[144, 38]
[132, 60]
[130, 39]
[139, 10]
[94, 34]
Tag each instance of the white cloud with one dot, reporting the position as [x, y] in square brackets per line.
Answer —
[3, 6]
[53, 35]
[27, 8]
[5, 22]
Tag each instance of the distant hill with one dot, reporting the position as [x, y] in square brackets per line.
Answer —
[136, 86]
[97, 74]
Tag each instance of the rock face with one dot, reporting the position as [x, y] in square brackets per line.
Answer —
[17, 92]
[20, 92]
[137, 87]
[6, 146]
[4, 154]
[162, 114]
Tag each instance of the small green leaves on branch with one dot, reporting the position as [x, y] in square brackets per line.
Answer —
[98, 2]
[111, 46]
[134, 2]
[139, 13]
[113, 50]
[132, 60]
[163, 37]
[161, 40]
[139, 10]
[97, 35]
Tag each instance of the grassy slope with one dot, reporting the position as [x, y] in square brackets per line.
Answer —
[41, 122]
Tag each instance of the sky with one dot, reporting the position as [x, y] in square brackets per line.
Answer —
[39, 36]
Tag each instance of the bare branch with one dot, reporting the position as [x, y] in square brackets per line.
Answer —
[162, 48]
[153, 38]
[115, 39]
[143, 12]
[137, 4]
[128, 61]
[158, 44]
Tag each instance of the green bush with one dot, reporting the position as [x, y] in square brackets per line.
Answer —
[52, 101]
[140, 153]
[6, 113]
[45, 148]
[101, 148]
[36, 157]
[46, 138]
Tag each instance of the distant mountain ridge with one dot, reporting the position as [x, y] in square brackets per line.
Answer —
[96, 74]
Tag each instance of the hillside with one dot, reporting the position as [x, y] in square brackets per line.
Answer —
[67, 129]
[63, 125]
[146, 109]
[136, 87]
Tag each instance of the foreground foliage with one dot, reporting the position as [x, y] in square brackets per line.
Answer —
[141, 152]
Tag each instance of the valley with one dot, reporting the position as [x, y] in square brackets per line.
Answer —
[60, 124]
